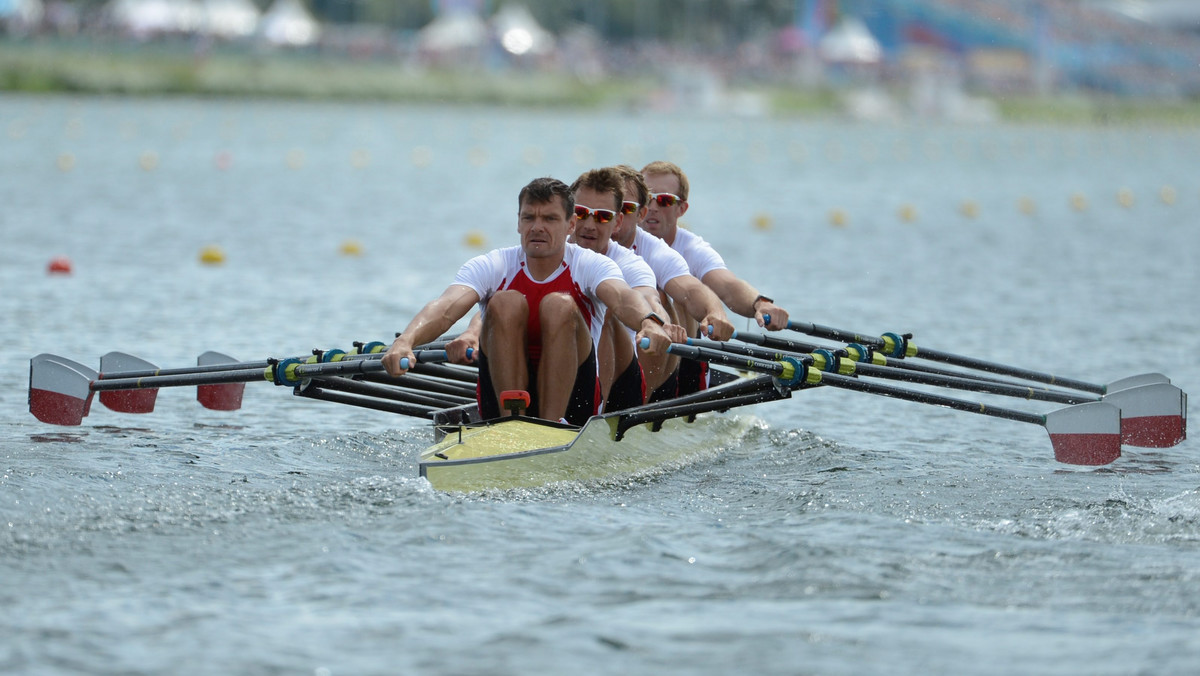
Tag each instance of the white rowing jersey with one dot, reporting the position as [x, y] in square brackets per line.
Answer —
[635, 270]
[699, 254]
[666, 262]
[579, 275]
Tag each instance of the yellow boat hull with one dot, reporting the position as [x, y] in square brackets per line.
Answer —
[527, 452]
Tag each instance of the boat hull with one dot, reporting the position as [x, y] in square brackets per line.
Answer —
[527, 452]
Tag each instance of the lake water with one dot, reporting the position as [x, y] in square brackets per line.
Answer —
[847, 534]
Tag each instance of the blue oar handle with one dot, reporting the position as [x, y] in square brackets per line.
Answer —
[644, 343]
[424, 357]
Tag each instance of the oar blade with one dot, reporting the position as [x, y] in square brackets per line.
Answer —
[127, 401]
[1085, 434]
[1152, 416]
[59, 392]
[1137, 381]
[223, 397]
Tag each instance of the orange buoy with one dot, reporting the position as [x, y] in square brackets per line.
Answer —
[59, 265]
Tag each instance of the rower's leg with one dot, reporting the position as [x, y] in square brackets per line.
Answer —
[502, 340]
[658, 367]
[616, 351]
[566, 343]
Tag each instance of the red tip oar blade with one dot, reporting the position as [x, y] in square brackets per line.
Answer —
[1152, 416]
[58, 393]
[1085, 434]
[226, 397]
[126, 401]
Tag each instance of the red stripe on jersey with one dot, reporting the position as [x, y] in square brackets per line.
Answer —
[535, 291]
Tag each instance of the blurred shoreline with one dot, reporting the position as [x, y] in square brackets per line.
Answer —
[152, 70]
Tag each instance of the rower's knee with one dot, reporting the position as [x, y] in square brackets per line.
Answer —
[558, 312]
[507, 307]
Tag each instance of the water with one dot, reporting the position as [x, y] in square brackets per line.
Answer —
[846, 534]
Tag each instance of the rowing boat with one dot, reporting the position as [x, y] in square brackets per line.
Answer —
[523, 452]
[468, 454]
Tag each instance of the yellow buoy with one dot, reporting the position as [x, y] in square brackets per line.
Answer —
[908, 213]
[1079, 202]
[212, 255]
[474, 239]
[66, 162]
[763, 221]
[1125, 197]
[837, 218]
[1167, 195]
[351, 247]
[148, 161]
[969, 209]
[1027, 206]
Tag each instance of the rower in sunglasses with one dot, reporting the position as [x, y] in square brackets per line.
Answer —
[684, 296]
[541, 307]
[599, 194]
[667, 202]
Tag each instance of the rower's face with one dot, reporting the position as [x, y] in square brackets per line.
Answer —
[624, 232]
[661, 221]
[590, 233]
[544, 227]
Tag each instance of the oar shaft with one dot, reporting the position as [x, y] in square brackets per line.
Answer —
[872, 387]
[207, 378]
[947, 357]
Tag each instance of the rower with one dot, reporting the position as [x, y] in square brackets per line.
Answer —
[542, 307]
[682, 294]
[668, 187]
[598, 198]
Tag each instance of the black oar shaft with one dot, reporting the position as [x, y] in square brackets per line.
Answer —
[207, 378]
[948, 358]
[896, 369]
[848, 383]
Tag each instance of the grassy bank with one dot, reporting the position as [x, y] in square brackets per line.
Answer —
[173, 69]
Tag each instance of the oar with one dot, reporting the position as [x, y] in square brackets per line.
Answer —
[60, 390]
[1083, 434]
[894, 345]
[1153, 416]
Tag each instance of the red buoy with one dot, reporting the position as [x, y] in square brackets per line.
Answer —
[60, 265]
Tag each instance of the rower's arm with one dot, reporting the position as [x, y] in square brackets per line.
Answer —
[631, 308]
[431, 322]
[456, 350]
[702, 304]
[651, 295]
[741, 297]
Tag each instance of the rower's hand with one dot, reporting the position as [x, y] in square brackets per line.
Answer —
[676, 333]
[653, 338]
[463, 350]
[777, 315]
[717, 327]
[391, 359]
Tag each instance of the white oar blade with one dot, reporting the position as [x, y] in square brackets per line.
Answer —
[1152, 416]
[225, 397]
[127, 401]
[1137, 381]
[1085, 434]
[59, 393]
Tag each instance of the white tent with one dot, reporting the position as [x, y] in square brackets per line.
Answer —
[850, 42]
[451, 31]
[152, 17]
[519, 33]
[288, 23]
[230, 18]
